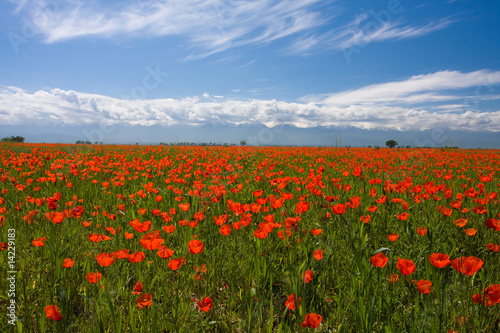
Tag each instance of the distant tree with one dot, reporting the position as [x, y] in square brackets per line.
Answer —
[243, 143]
[13, 139]
[391, 143]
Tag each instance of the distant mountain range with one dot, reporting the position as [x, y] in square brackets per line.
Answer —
[255, 134]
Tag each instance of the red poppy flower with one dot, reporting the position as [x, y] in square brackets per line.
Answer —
[460, 222]
[67, 263]
[439, 260]
[424, 286]
[393, 237]
[257, 193]
[225, 229]
[55, 217]
[4, 246]
[144, 300]
[311, 320]
[261, 233]
[316, 232]
[318, 254]
[403, 216]
[379, 260]
[140, 227]
[105, 259]
[405, 266]
[174, 264]
[93, 277]
[480, 210]
[184, 206]
[422, 231]
[205, 304]
[121, 254]
[492, 247]
[470, 232]
[169, 228]
[291, 301]
[95, 237]
[52, 312]
[151, 241]
[493, 224]
[39, 241]
[467, 265]
[137, 288]
[338, 209]
[136, 257]
[164, 252]
[195, 246]
[307, 277]
[492, 294]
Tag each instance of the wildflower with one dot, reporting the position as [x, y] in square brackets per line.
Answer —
[439, 260]
[422, 231]
[136, 257]
[307, 277]
[291, 301]
[137, 288]
[467, 265]
[151, 241]
[339, 209]
[195, 246]
[492, 247]
[311, 320]
[184, 206]
[52, 312]
[225, 229]
[39, 241]
[405, 266]
[205, 304]
[144, 300]
[164, 252]
[174, 264]
[379, 260]
[393, 237]
[493, 224]
[105, 259]
[424, 286]
[67, 263]
[318, 254]
[460, 222]
[93, 277]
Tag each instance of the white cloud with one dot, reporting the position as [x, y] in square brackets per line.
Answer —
[420, 102]
[420, 88]
[212, 26]
[362, 30]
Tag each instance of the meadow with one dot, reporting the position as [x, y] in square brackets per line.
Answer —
[248, 239]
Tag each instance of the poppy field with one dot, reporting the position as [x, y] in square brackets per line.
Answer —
[248, 239]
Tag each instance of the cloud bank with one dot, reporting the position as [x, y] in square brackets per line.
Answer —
[418, 103]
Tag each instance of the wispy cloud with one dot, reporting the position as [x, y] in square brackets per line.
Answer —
[213, 26]
[420, 102]
[210, 26]
[363, 30]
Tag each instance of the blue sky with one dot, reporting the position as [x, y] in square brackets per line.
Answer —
[395, 64]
